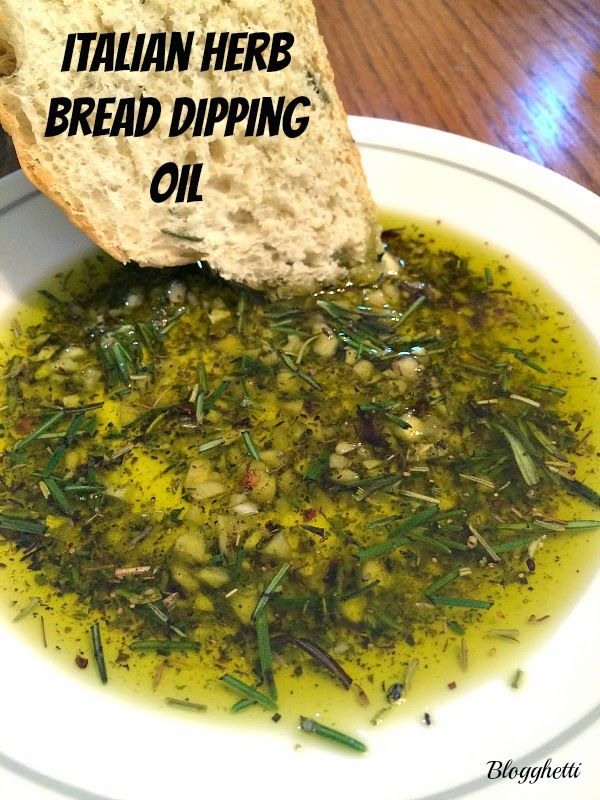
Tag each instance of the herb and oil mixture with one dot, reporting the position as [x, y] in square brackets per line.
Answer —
[300, 506]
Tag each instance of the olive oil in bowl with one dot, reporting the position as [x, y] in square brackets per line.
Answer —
[354, 504]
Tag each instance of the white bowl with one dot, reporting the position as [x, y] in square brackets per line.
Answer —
[59, 736]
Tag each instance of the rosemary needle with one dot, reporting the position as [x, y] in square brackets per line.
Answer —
[264, 652]
[99, 651]
[242, 705]
[174, 701]
[20, 525]
[460, 602]
[167, 646]
[312, 726]
[33, 603]
[248, 692]
[272, 586]
[517, 679]
[250, 445]
[444, 580]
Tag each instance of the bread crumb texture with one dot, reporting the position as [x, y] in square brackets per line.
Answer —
[276, 211]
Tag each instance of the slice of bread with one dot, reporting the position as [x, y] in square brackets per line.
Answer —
[276, 211]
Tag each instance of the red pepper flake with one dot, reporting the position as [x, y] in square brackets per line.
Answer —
[309, 513]
[250, 481]
[81, 662]
[530, 564]
[452, 685]
[25, 425]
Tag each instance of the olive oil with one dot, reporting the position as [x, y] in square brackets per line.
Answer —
[156, 435]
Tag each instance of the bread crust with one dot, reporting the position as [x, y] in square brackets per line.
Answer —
[43, 180]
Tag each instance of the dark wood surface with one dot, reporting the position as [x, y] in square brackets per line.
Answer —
[519, 74]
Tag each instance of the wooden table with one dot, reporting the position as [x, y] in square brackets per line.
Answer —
[520, 74]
